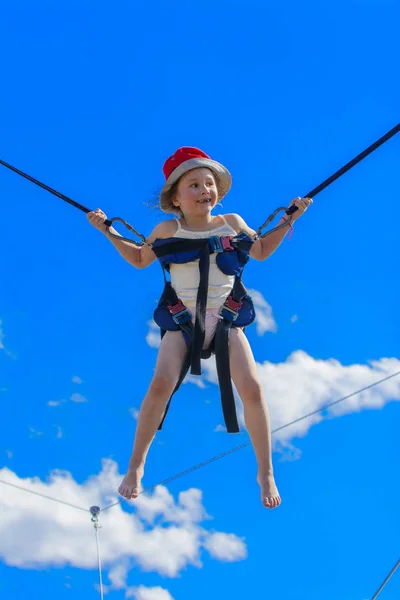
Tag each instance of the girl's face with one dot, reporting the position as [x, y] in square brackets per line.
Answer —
[197, 192]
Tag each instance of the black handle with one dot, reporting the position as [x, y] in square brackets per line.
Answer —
[291, 210]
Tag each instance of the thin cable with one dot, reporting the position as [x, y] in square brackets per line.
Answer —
[237, 448]
[96, 528]
[42, 495]
[386, 580]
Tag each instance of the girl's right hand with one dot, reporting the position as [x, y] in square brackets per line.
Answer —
[97, 218]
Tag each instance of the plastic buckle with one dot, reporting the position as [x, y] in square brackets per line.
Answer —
[230, 309]
[180, 313]
[176, 308]
[232, 304]
[226, 243]
[215, 243]
[183, 317]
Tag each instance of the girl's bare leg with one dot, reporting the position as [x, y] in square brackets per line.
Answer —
[245, 377]
[168, 367]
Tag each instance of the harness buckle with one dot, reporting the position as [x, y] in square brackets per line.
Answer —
[226, 243]
[230, 309]
[180, 313]
[220, 243]
[215, 243]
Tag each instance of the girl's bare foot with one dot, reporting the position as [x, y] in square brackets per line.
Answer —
[130, 486]
[269, 492]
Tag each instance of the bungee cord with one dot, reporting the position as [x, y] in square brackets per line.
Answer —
[245, 444]
[81, 207]
[322, 186]
[259, 234]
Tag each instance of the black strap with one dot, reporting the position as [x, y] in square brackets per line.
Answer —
[224, 376]
[177, 245]
[201, 304]
[221, 345]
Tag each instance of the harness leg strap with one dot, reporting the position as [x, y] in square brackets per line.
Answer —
[224, 376]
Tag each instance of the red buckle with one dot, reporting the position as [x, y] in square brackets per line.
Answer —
[226, 243]
[230, 303]
[176, 308]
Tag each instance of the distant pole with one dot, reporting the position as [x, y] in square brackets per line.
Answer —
[95, 511]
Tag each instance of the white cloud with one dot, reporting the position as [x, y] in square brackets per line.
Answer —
[77, 379]
[118, 578]
[118, 575]
[59, 431]
[303, 384]
[153, 337]
[264, 318]
[9, 454]
[226, 547]
[168, 534]
[1, 336]
[78, 398]
[146, 593]
[219, 429]
[294, 319]
[55, 402]
[135, 413]
[288, 451]
[161, 505]
[34, 433]
[196, 380]
[2, 346]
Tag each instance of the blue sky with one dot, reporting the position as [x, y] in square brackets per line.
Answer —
[93, 100]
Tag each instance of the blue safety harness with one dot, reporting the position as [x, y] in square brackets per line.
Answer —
[233, 253]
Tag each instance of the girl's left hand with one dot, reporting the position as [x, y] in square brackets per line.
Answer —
[302, 205]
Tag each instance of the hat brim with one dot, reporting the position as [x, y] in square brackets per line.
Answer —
[224, 179]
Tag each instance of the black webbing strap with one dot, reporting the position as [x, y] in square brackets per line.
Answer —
[224, 376]
[201, 304]
[221, 347]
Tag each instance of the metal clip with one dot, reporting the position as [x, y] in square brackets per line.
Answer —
[120, 237]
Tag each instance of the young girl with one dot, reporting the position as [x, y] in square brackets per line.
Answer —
[194, 185]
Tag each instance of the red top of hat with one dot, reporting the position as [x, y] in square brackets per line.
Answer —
[180, 156]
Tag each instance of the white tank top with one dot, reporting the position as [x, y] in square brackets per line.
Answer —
[185, 278]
